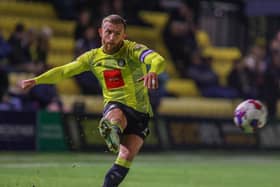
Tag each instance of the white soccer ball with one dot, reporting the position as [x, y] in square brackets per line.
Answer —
[250, 115]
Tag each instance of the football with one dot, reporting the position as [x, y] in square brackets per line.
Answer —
[250, 115]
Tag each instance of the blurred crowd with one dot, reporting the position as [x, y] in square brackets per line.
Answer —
[25, 51]
[255, 75]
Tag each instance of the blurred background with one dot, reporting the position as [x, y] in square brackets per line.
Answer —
[218, 53]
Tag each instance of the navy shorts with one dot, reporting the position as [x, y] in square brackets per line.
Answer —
[137, 122]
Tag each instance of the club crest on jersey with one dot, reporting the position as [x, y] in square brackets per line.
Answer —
[121, 62]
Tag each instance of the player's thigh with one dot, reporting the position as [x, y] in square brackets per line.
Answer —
[117, 115]
[130, 146]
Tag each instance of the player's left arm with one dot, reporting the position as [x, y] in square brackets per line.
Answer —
[157, 64]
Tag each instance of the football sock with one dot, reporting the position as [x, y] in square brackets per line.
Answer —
[115, 175]
[122, 162]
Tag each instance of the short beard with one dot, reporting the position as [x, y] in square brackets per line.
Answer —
[114, 49]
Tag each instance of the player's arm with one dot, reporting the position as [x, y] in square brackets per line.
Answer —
[157, 64]
[54, 75]
[156, 61]
[57, 74]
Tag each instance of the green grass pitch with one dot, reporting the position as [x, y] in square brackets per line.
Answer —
[184, 169]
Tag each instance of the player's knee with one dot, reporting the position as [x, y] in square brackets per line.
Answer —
[116, 116]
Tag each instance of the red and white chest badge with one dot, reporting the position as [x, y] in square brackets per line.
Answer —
[113, 78]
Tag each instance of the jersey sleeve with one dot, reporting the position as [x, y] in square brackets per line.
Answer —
[57, 74]
[148, 56]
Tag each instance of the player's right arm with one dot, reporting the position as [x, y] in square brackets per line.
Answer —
[59, 73]
[27, 84]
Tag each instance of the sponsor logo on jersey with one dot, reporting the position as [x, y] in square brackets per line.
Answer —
[113, 78]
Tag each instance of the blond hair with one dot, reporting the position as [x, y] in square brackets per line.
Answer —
[115, 19]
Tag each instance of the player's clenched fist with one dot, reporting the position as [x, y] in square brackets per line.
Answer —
[27, 84]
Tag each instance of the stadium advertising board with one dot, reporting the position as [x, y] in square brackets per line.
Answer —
[50, 132]
[88, 137]
[188, 132]
[269, 136]
[17, 130]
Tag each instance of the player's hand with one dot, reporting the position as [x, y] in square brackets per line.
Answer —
[150, 80]
[27, 84]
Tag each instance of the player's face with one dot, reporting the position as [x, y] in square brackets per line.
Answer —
[112, 36]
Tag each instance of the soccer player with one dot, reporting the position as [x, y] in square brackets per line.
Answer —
[120, 66]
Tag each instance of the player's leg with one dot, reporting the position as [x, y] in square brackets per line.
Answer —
[111, 126]
[129, 148]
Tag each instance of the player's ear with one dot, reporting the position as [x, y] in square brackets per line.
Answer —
[100, 32]
[125, 36]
